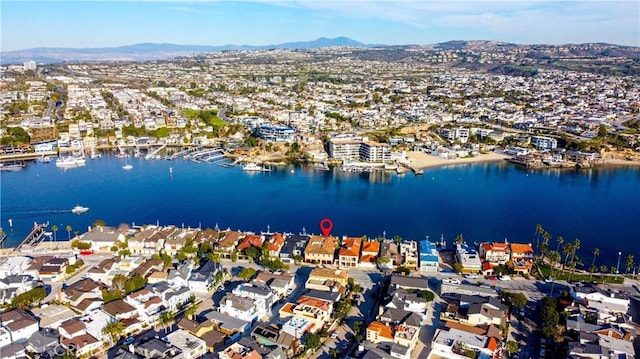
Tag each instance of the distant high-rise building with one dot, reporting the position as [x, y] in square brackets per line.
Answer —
[29, 65]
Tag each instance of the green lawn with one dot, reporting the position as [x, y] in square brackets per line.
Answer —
[559, 275]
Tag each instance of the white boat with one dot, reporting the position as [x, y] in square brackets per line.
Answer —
[79, 209]
[252, 167]
[127, 167]
[11, 166]
[70, 161]
[43, 159]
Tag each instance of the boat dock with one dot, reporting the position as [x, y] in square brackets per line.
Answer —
[34, 237]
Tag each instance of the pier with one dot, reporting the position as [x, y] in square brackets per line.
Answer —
[34, 237]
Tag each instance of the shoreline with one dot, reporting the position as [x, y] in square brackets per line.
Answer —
[420, 160]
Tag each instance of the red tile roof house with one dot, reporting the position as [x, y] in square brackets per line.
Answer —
[349, 254]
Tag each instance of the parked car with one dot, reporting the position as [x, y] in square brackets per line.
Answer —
[334, 334]
[450, 281]
[491, 277]
[289, 291]
[471, 276]
[548, 280]
[128, 341]
[504, 277]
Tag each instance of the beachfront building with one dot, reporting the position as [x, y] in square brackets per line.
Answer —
[428, 257]
[522, 257]
[320, 250]
[468, 258]
[271, 133]
[349, 253]
[359, 148]
[544, 142]
[370, 250]
[409, 253]
[495, 253]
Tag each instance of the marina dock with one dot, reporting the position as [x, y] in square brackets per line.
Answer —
[34, 237]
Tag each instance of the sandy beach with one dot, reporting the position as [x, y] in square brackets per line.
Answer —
[421, 160]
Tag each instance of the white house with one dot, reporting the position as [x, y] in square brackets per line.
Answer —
[19, 324]
[241, 308]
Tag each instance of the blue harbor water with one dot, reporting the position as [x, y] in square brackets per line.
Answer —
[483, 202]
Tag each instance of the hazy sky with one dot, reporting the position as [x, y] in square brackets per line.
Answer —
[27, 24]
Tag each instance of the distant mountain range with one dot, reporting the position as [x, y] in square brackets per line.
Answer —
[152, 51]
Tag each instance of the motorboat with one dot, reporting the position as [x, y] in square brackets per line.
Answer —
[11, 166]
[252, 167]
[127, 167]
[70, 161]
[79, 209]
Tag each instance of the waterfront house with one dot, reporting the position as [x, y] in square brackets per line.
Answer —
[428, 257]
[276, 242]
[320, 250]
[178, 239]
[102, 237]
[391, 252]
[370, 250]
[228, 243]
[495, 253]
[522, 257]
[349, 253]
[409, 253]
[294, 245]
[468, 258]
[250, 240]
[327, 279]
[19, 324]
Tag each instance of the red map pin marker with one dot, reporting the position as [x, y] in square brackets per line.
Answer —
[326, 225]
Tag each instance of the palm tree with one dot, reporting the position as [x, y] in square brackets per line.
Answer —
[630, 262]
[539, 231]
[574, 249]
[54, 228]
[113, 330]
[603, 270]
[567, 249]
[165, 319]
[69, 229]
[554, 258]
[191, 310]
[560, 240]
[596, 252]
